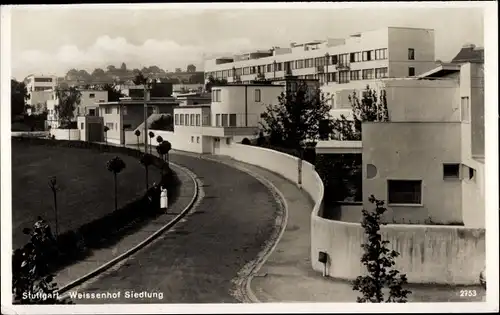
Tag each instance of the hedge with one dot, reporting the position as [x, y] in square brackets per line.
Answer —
[76, 244]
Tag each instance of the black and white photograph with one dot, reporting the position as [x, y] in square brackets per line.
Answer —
[249, 157]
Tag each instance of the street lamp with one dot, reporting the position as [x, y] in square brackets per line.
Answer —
[327, 57]
[146, 85]
[54, 188]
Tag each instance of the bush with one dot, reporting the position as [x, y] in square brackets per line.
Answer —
[165, 122]
[246, 141]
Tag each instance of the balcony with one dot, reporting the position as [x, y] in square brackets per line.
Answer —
[342, 66]
[229, 131]
[320, 69]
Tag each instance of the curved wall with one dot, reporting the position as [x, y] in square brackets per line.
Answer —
[429, 254]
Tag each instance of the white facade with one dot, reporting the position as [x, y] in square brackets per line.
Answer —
[435, 138]
[89, 105]
[341, 64]
[39, 87]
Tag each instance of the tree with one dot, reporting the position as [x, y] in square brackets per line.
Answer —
[151, 136]
[342, 173]
[191, 68]
[116, 165]
[211, 82]
[147, 161]
[370, 108]
[159, 139]
[32, 282]
[295, 122]
[114, 94]
[123, 67]
[138, 134]
[379, 261]
[67, 99]
[163, 149]
[106, 129]
[18, 97]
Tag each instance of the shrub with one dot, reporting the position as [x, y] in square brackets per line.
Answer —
[246, 141]
[165, 122]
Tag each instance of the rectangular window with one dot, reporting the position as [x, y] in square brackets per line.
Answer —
[343, 76]
[43, 80]
[411, 54]
[217, 120]
[381, 73]
[343, 60]
[187, 119]
[257, 95]
[176, 119]
[411, 71]
[464, 109]
[81, 126]
[451, 171]
[270, 68]
[381, 54]
[124, 110]
[191, 120]
[367, 74]
[197, 139]
[232, 120]
[355, 75]
[335, 59]
[182, 120]
[367, 55]
[91, 95]
[404, 192]
[224, 120]
[192, 138]
[206, 120]
[110, 126]
[198, 119]
[216, 95]
[107, 110]
[352, 57]
[472, 174]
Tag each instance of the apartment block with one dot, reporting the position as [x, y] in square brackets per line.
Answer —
[338, 64]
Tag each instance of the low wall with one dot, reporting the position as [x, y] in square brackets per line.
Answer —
[429, 254]
[65, 134]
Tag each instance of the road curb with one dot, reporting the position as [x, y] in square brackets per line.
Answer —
[141, 245]
[243, 281]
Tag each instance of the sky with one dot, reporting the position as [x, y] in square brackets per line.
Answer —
[52, 40]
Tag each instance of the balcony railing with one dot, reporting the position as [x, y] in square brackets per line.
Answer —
[342, 66]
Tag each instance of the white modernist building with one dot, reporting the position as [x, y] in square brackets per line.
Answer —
[339, 64]
[40, 90]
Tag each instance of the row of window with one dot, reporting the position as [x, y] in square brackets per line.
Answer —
[342, 59]
[216, 95]
[109, 110]
[191, 120]
[225, 120]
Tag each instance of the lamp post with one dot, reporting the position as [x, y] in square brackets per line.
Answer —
[327, 60]
[53, 187]
[274, 69]
[146, 88]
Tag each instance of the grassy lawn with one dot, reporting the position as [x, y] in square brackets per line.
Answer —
[86, 186]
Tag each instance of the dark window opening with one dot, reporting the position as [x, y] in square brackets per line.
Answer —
[451, 170]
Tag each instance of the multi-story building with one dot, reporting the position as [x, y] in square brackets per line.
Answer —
[338, 64]
[40, 90]
[89, 104]
[427, 162]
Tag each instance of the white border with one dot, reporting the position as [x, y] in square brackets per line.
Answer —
[491, 181]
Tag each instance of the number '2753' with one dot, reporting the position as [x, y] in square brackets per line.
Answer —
[468, 293]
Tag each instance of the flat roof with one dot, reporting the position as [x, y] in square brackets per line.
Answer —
[249, 84]
[440, 71]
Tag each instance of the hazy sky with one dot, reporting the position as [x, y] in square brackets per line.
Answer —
[54, 40]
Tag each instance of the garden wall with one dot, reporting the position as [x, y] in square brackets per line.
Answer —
[65, 134]
[429, 254]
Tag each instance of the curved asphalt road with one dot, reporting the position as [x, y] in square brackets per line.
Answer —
[196, 262]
